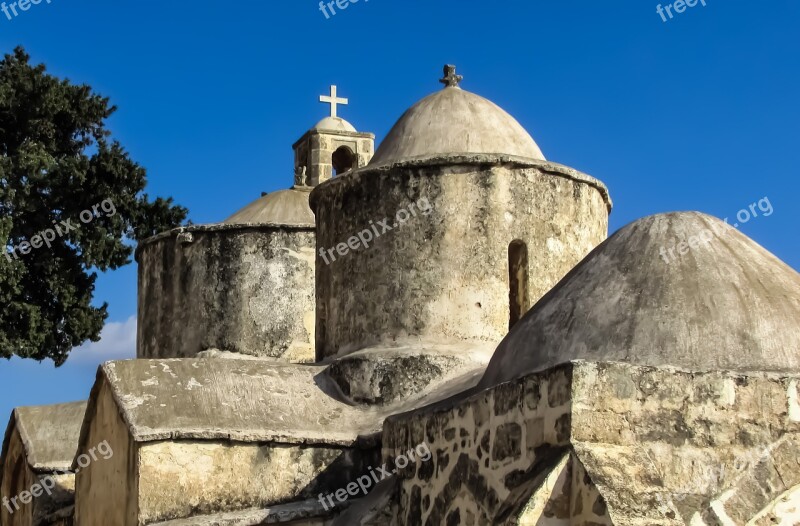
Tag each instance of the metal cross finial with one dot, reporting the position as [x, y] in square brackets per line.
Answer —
[451, 80]
[333, 100]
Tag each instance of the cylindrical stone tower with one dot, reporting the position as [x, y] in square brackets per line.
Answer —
[455, 229]
[244, 286]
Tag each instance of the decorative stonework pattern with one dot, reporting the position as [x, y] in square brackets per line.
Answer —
[483, 450]
[649, 446]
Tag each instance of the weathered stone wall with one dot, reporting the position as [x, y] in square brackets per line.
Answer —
[444, 276]
[17, 477]
[567, 497]
[18, 481]
[183, 479]
[550, 504]
[653, 446]
[243, 289]
[105, 491]
[482, 449]
[59, 503]
[699, 434]
[783, 511]
[586, 507]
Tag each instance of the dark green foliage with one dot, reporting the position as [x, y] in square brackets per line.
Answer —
[57, 160]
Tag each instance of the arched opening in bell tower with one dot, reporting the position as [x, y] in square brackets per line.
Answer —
[517, 281]
[343, 160]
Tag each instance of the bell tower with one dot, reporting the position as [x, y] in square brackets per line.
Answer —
[332, 147]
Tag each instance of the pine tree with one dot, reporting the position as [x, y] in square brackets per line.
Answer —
[58, 160]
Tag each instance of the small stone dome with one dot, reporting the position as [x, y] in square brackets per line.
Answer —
[334, 124]
[455, 122]
[284, 207]
[679, 289]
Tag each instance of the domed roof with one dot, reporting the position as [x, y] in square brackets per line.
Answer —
[718, 302]
[334, 124]
[453, 121]
[284, 207]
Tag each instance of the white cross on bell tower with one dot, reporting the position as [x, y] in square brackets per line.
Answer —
[332, 147]
[333, 100]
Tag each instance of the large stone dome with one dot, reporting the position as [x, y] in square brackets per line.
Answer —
[284, 207]
[719, 302]
[455, 122]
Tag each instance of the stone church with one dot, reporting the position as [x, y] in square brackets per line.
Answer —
[436, 332]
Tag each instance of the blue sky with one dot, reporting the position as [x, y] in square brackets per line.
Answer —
[697, 113]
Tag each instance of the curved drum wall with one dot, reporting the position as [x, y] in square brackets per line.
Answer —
[244, 289]
[444, 277]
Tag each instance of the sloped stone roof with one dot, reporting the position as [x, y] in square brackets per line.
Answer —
[49, 433]
[454, 122]
[284, 207]
[243, 400]
[248, 401]
[725, 304]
